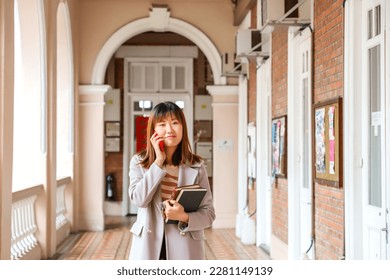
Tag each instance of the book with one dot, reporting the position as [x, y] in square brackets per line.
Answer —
[189, 197]
[176, 190]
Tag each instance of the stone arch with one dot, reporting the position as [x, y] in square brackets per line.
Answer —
[148, 24]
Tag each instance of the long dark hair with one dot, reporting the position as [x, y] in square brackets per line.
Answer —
[183, 153]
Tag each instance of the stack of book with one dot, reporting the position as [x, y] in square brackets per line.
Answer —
[189, 197]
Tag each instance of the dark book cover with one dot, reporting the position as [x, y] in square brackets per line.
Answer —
[190, 199]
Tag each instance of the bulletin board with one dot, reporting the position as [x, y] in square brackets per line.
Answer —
[328, 142]
[279, 147]
[112, 139]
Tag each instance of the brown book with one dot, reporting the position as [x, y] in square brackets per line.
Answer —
[176, 190]
[190, 197]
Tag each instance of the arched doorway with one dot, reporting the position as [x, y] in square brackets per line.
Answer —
[97, 88]
[149, 24]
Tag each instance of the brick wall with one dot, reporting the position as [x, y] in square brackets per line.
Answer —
[328, 84]
[280, 209]
[329, 223]
[252, 93]
[279, 72]
[328, 49]
[279, 107]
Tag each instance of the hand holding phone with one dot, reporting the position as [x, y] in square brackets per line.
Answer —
[161, 145]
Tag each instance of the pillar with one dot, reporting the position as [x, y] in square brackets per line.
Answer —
[90, 185]
[6, 123]
[225, 154]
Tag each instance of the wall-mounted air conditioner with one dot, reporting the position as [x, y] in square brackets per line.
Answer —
[285, 12]
[250, 43]
[232, 66]
[248, 40]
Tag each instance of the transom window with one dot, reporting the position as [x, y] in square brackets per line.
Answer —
[158, 76]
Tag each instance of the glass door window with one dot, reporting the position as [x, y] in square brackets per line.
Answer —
[375, 134]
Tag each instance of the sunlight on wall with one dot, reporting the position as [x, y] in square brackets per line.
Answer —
[29, 108]
[65, 100]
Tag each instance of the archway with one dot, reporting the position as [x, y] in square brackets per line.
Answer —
[149, 24]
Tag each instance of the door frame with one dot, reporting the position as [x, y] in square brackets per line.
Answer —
[353, 95]
[352, 119]
[375, 219]
[187, 96]
[387, 113]
[296, 169]
[263, 156]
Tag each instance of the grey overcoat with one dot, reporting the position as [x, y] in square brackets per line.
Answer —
[148, 230]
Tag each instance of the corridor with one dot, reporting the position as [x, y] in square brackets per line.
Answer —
[114, 244]
[286, 101]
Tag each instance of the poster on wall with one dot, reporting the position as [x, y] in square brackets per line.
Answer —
[331, 140]
[328, 142]
[113, 129]
[320, 140]
[112, 144]
[279, 147]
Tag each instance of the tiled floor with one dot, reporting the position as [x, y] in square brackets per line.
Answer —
[114, 244]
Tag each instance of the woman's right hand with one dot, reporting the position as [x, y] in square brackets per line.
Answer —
[160, 155]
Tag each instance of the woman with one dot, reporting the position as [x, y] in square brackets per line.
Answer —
[167, 162]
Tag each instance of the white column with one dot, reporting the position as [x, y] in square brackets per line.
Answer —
[6, 123]
[242, 152]
[90, 185]
[46, 205]
[225, 154]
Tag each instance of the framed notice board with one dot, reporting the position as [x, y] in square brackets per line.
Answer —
[328, 143]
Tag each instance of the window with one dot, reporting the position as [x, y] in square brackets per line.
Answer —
[143, 77]
[375, 106]
[158, 76]
[173, 77]
[375, 130]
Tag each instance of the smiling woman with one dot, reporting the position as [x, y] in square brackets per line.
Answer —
[153, 172]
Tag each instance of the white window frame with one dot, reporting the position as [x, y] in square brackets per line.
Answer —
[172, 66]
[143, 65]
[158, 63]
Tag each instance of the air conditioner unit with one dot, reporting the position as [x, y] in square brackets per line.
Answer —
[251, 44]
[232, 66]
[247, 41]
[285, 12]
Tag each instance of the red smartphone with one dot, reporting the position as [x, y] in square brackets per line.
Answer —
[161, 145]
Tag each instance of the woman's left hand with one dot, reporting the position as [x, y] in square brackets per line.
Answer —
[175, 211]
